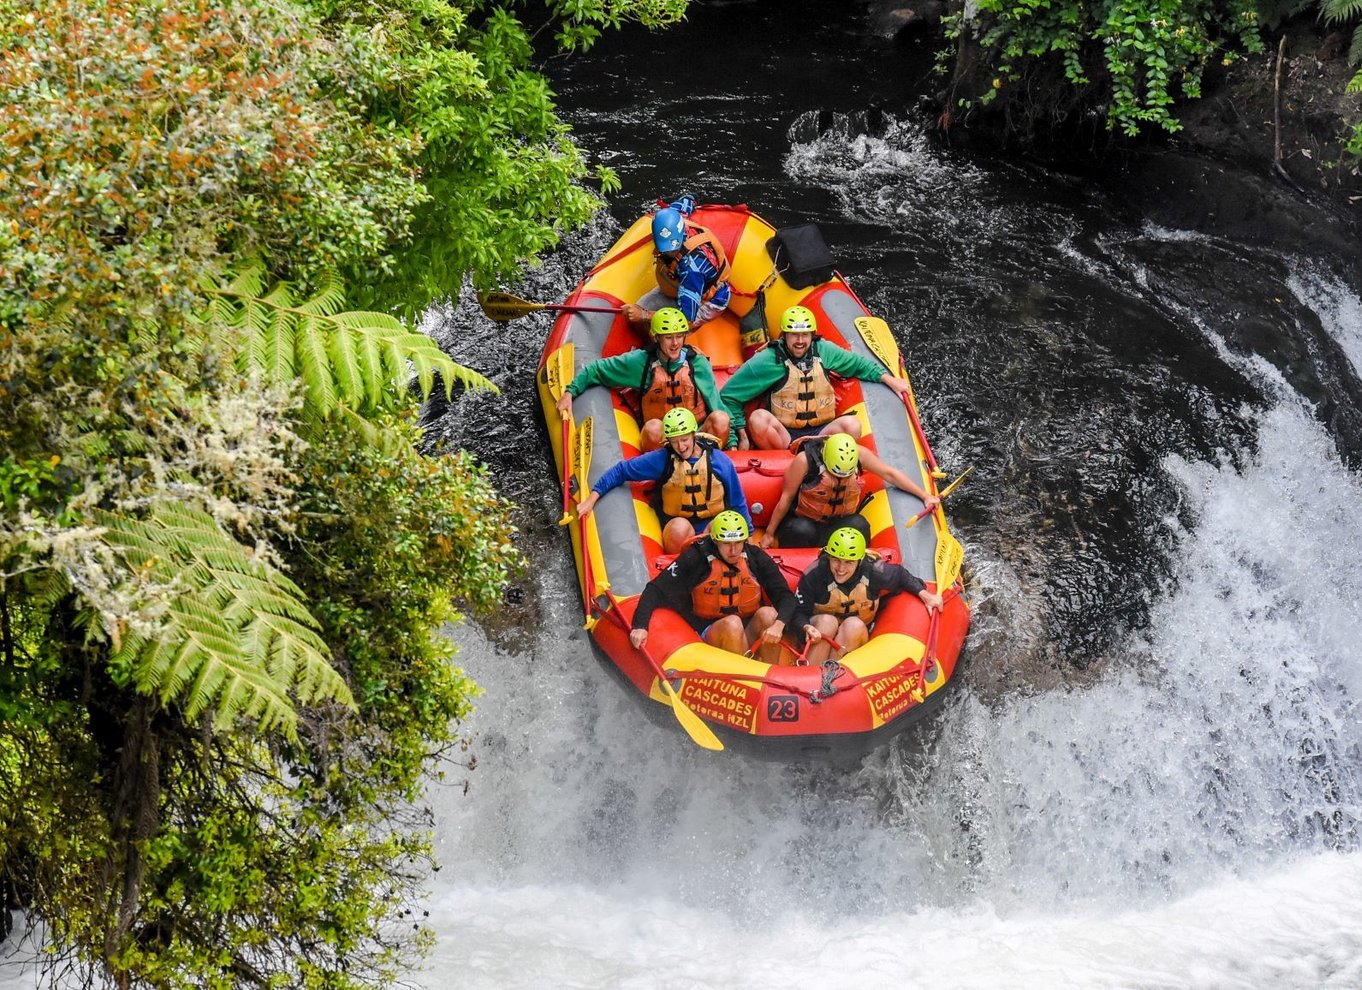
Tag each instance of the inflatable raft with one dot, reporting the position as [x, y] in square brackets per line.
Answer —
[849, 704]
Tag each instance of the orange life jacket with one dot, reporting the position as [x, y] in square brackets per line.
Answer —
[823, 495]
[726, 590]
[692, 490]
[704, 239]
[663, 391]
[806, 397]
[857, 601]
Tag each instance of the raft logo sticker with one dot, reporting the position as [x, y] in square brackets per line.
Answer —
[721, 700]
[782, 708]
[892, 694]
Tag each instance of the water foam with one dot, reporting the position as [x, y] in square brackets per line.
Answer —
[1188, 819]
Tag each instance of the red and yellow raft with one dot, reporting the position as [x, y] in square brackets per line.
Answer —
[874, 690]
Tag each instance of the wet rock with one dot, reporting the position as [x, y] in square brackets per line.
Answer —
[892, 19]
[1189, 191]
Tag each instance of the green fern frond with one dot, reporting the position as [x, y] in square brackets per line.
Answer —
[368, 352]
[45, 588]
[1355, 57]
[238, 638]
[1340, 11]
[373, 435]
[314, 366]
[329, 297]
[358, 359]
[346, 357]
[248, 280]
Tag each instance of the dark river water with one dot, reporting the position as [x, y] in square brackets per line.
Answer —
[1148, 775]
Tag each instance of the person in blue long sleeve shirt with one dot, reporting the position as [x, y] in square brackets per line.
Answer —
[691, 268]
[695, 481]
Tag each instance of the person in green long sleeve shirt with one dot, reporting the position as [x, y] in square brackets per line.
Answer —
[668, 375]
[800, 398]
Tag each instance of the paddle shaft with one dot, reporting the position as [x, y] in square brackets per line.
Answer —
[502, 307]
[561, 308]
[929, 651]
[921, 437]
[556, 389]
[875, 333]
[567, 471]
[588, 578]
[944, 492]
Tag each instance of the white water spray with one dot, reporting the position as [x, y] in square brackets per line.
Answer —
[1188, 819]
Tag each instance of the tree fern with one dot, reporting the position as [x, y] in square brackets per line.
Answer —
[361, 360]
[236, 636]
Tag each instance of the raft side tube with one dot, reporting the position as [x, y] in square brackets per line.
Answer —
[894, 439]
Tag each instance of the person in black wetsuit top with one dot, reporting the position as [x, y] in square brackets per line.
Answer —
[839, 595]
[730, 591]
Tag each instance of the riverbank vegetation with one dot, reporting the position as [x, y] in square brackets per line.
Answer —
[1076, 75]
[223, 566]
[1134, 57]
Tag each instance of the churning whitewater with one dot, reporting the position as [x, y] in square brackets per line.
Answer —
[1187, 818]
[1181, 811]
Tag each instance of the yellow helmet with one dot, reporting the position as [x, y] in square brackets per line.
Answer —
[841, 455]
[678, 422]
[669, 320]
[729, 527]
[846, 544]
[798, 319]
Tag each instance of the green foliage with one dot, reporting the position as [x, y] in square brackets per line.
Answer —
[1141, 54]
[503, 174]
[1340, 11]
[384, 598]
[144, 139]
[223, 566]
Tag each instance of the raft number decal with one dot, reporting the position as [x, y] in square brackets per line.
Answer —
[782, 708]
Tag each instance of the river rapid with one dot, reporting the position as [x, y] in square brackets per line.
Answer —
[1148, 775]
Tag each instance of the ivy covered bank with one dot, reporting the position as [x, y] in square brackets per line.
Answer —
[223, 566]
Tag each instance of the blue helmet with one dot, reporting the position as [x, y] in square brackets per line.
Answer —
[669, 229]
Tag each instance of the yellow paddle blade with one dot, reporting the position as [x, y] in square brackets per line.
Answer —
[581, 457]
[694, 725]
[875, 332]
[949, 557]
[558, 371]
[503, 307]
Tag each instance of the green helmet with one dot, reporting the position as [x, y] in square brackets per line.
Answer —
[669, 320]
[798, 319]
[728, 527]
[678, 422]
[841, 455]
[846, 544]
